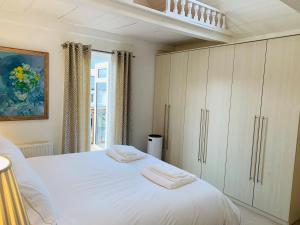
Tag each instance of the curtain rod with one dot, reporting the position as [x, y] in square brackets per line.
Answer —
[108, 52]
[64, 45]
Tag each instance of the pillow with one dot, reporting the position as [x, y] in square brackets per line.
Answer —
[32, 188]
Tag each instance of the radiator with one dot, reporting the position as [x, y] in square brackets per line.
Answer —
[37, 149]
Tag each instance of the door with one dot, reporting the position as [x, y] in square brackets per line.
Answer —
[195, 102]
[247, 84]
[280, 110]
[176, 110]
[217, 114]
[161, 94]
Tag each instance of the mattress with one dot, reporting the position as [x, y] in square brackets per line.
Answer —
[93, 189]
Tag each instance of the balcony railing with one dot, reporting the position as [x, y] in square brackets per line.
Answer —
[196, 12]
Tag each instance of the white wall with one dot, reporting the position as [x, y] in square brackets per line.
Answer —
[35, 37]
[142, 94]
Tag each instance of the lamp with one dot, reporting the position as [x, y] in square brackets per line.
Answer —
[12, 211]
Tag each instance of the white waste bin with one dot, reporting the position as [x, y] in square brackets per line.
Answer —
[155, 143]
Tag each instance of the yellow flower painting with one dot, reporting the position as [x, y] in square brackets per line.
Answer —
[23, 85]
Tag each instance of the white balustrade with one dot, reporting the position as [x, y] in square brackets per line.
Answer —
[196, 12]
[202, 14]
[190, 6]
[175, 10]
[182, 3]
[213, 20]
[219, 16]
[208, 18]
[224, 22]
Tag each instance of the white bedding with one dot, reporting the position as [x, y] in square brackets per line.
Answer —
[93, 189]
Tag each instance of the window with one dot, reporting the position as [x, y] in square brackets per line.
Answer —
[102, 72]
[100, 78]
[92, 83]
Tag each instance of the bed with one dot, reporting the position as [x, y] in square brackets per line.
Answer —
[93, 189]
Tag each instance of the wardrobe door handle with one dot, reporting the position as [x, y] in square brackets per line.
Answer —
[200, 138]
[165, 138]
[206, 135]
[262, 142]
[254, 146]
[168, 125]
[202, 135]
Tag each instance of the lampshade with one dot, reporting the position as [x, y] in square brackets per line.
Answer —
[12, 210]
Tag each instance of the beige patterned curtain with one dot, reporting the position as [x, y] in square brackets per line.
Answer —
[76, 118]
[121, 74]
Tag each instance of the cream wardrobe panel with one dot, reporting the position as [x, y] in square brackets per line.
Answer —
[245, 105]
[161, 95]
[280, 110]
[218, 106]
[176, 110]
[195, 101]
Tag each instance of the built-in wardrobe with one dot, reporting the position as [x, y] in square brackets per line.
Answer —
[230, 114]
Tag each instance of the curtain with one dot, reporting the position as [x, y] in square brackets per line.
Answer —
[120, 86]
[76, 117]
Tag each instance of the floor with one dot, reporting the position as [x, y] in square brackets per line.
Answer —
[251, 218]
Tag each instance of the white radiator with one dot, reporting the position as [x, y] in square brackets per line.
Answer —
[38, 149]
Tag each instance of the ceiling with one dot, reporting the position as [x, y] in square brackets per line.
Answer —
[245, 18]
[104, 20]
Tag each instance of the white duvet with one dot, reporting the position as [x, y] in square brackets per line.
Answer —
[93, 189]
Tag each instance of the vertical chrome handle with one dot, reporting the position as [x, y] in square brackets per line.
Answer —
[206, 135]
[200, 137]
[164, 131]
[254, 147]
[261, 153]
[168, 125]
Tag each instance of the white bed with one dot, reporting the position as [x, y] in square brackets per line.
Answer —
[93, 189]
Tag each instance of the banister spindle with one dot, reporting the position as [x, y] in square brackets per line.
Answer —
[208, 13]
[168, 5]
[202, 15]
[182, 4]
[224, 22]
[219, 16]
[213, 19]
[196, 15]
[175, 10]
[190, 6]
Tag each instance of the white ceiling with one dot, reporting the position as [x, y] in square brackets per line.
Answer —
[245, 18]
[68, 12]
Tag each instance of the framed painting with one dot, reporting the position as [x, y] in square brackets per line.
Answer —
[23, 84]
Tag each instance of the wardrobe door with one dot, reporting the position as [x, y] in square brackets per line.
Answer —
[280, 114]
[161, 95]
[195, 102]
[217, 114]
[176, 107]
[243, 127]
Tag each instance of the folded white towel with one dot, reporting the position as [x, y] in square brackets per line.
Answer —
[126, 150]
[174, 178]
[170, 171]
[125, 153]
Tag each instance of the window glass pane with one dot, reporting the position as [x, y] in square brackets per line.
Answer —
[92, 83]
[101, 94]
[102, 73]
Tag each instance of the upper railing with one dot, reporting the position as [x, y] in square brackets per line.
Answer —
[196, 12]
